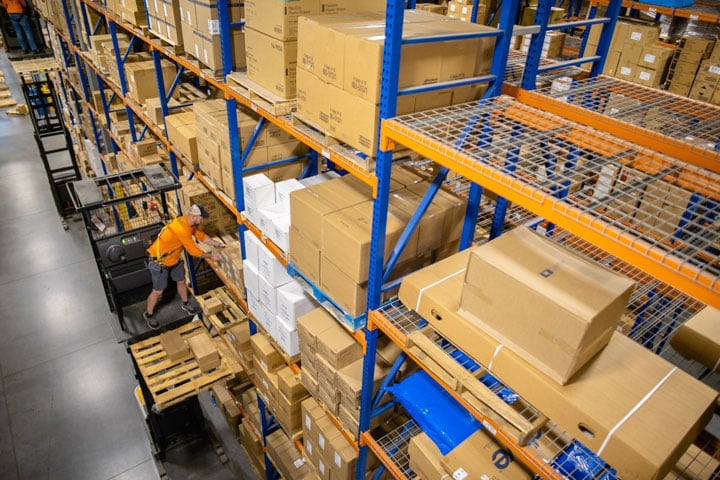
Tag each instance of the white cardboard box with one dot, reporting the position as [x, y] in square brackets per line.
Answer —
[280, 232]
[251, 249]
[286, 337]
[292, 302]
[253, 305]
[252, 279]
[258, 191]
[268, 214]
[268, 295]
[271, 269]
[283, 189]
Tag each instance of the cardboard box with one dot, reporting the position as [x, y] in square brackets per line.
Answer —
[293, 302]
[345, 291]
[278, 18]
[337, 346]
[181, 133]
[648, 77]
[287, 337]
[290, 385]
[269, 358]
[480, 456]
[570, 306]
[695, 464]
[699, 338]
[349, 382]
[141, 80]
[646, 445]
[174, 345]
[204, 351]
[271, 63]
[656, 57]
[286, 457]
[425, 457]
[304, 255]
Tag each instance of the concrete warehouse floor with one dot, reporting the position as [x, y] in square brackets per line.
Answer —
[67, 405]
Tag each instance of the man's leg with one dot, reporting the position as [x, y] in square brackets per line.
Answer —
[182, 290]
[152, 301]
[15, 20]
[25, 22]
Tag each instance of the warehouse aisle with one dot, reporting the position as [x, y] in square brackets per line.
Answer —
[67, 409]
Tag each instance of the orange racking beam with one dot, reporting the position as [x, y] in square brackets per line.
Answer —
[688, 153]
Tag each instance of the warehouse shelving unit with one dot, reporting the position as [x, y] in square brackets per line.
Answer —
[477, 154]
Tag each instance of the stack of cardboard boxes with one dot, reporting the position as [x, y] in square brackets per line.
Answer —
[332, 366]
[182, 135]
[278, 386]
[201, 32]
[249, 430]
[691, 52]
[707, 79]
[331, 229]
[626, 50]
[276, 300]
[164, 20]
[271, 145]
[142, 81]
[329, 452]
[462, 10]
[286, 457]
[624, 395]
[272, 37]
[340, 63]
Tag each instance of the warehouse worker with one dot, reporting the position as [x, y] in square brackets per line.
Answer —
[166, 261]
[21, 23]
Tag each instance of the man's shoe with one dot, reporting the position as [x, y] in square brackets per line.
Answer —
[189, 308]
[151, 321]
[25, 52]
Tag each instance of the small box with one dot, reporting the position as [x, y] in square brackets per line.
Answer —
[251, 249]
[204, 351]
[283, 189]
[174, 345]
[269, 358]
[338, 347]
[290, 385]
[252, 280]
[287, 337]
[293, 302]
[271, 269]
[259, 190]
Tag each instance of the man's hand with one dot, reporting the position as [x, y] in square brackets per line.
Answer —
[214, 257]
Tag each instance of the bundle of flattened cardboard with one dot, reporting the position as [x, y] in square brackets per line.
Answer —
[544, 319]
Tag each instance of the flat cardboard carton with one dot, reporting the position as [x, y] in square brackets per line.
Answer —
[569, 307]
[480, 456]
[425, 457]
[644, 446]
[699, 338]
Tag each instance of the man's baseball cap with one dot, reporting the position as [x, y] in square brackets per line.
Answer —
[198, 209]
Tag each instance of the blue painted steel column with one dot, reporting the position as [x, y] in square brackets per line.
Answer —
[86, 23]
[388, 107]
[69, 22]
[157, 61]
[532, 62]
[106, 110]
[508, 13]
[498, 221]
[471, 213]
[86, 92]
[226, 51]
[612, 11]
[120, 61]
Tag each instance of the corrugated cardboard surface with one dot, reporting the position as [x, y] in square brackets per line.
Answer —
[615, 383]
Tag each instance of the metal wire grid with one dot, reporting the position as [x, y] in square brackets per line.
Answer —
[619, 184]
[688, 121]
[515, 69]
[395, 445]
[126, 208]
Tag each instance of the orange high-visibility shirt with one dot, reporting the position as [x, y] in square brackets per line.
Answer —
[173, 239]
[14, 6]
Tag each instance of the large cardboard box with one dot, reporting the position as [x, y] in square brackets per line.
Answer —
[425, 457]
[639, 434]
[204, 351]
[480, 456]
[278, 18]
[141, 80]
[569, 309]
[271, 63]
[699, 338]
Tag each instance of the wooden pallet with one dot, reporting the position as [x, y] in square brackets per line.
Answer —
[511, 418]
[239, 82]
[166, 44]
[172, 382]
[331, 143]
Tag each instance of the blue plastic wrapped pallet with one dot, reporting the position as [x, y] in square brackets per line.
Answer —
[437, 413]
[671, 3]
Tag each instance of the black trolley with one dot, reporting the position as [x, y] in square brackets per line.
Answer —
[123, 215]
[52, 138]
